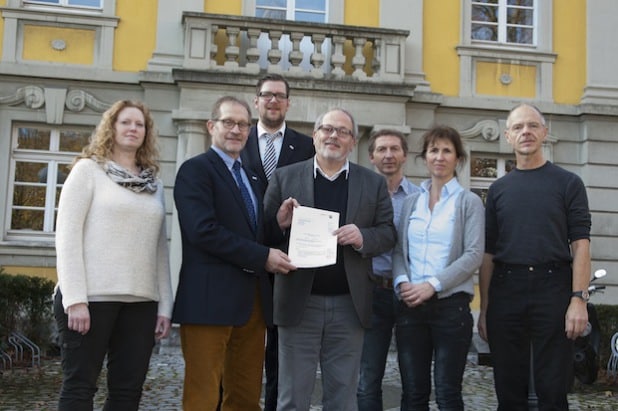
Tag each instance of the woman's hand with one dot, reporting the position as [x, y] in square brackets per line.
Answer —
[162, 328]
[415, 294]
[79, 318]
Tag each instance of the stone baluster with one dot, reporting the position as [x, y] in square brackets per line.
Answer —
[338, 58]
[253, 53]
[213, 46]
[377, 58]
[274, 54]
[232, 51]
[358, 61]
[317, 57]
[296, 56]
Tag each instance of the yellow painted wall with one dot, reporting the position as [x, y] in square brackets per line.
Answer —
[362, 13]
[79, 44]
[233, 7]
[523, 84]
[570, 46]
[136, 34]
[45, 272]
[441, 34]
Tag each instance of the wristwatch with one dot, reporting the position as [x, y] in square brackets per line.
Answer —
[584, 295]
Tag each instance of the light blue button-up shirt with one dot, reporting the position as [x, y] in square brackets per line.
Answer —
[430, 234]
[382, 264]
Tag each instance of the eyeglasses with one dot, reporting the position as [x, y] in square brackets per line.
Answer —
[341, 131]
[267, 95]
[230, 124]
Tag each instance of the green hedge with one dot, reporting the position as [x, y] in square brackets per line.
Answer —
[25, 306]
[608, 323]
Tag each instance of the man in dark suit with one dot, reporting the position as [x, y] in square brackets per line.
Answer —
[321, 313]
[272, 102]
[287, 146]
[223, 301]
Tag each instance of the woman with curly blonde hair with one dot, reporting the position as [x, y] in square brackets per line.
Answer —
[114, 294]
[102, 141]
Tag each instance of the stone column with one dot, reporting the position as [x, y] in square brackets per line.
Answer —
[169, 52]
[192, 140]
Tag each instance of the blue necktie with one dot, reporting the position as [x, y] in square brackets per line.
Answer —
[244, 191]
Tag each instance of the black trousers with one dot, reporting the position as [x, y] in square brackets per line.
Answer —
[527, 307]
[122, 331]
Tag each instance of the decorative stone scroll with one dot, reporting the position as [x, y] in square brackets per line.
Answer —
[32, 96]
[488, 129]
[77, 100]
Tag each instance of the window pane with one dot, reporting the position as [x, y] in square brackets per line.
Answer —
[29, 196]
[519, 35]
[86, 3]
[523, 17]
[270, 14]
[307, 16]
[271, 3]
[32, 139]
[27, 220]
[525, 3]
[26, 172]
[73, 140]
[45, 1]
[486, 1]
[63, 173]
[484, 32]
[318, 5]
[484, 167]
[485, 13]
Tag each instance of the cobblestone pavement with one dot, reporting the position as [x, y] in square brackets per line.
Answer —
[34, 389]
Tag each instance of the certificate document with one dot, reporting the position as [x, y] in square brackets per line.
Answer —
[312, 243]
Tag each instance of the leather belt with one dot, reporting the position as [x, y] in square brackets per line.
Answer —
[531, 268]
[382, 282]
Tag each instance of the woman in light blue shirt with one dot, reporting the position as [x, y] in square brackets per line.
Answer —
[440, 246]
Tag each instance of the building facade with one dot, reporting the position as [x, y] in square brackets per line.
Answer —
[405, 64]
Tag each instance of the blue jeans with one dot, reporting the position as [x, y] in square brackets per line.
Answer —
[375, 349]
[439, 329]
[123, 331]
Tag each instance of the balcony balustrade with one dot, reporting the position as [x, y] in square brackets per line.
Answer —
[240, 44]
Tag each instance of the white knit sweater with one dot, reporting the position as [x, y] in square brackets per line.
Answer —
[111, 242]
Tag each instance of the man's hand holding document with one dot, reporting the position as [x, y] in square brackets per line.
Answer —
[312, 239]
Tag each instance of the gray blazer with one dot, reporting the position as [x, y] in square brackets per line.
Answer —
[467, 248]
[369, 207]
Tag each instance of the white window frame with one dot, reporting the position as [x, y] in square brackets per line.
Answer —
[483, 183]
[540, 54]
[52, 158]
[64, 5]
[285, 44]
[291, 9]
[503, 24]
[334, 10]
[18, 14]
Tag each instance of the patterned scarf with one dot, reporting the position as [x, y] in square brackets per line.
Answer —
[144, 182]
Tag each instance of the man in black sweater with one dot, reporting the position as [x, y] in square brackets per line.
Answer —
[536, 269]
[321, 313]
